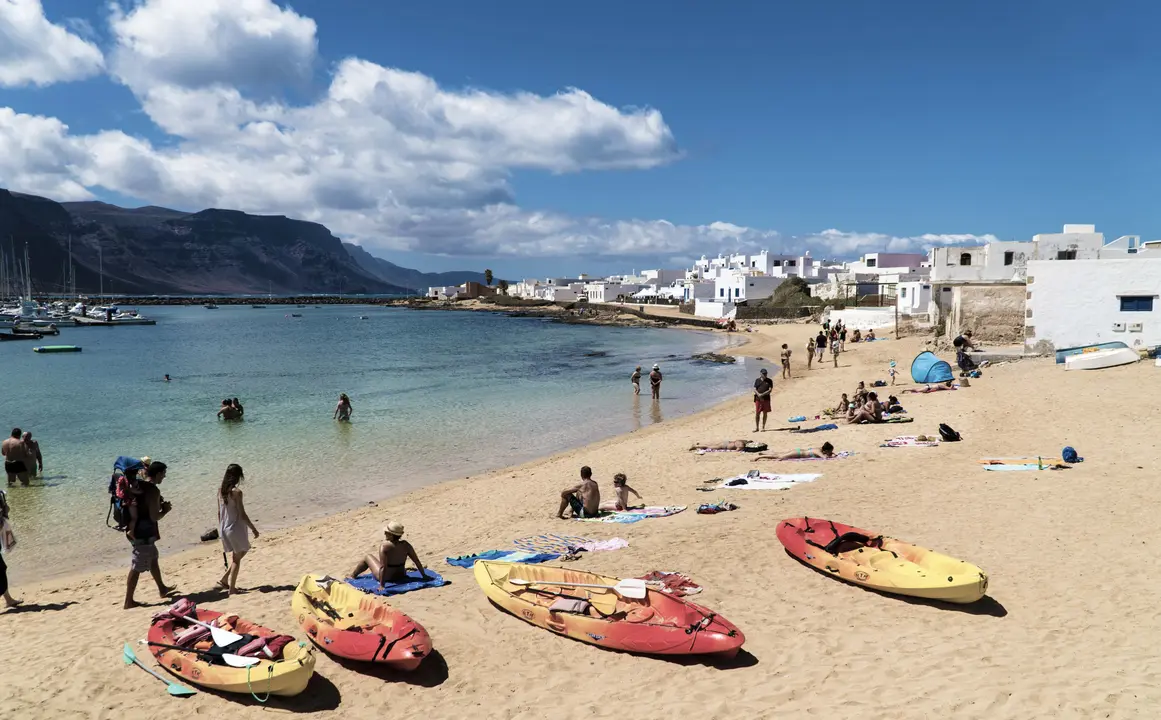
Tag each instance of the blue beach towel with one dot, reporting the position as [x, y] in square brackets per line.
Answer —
[367, 583]
[467, 561]
[820, 428]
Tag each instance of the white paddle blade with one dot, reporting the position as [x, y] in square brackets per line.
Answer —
[632, 588]
[240, 662]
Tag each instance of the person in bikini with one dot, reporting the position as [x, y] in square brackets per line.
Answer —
[785, 356]
[738, 445]
[870, 412]
[35, 459]
[622, 490]
[635, 378]
[584, 499]
[932, 388]
[16, 458]
[824, 452]
[389, 564]
[343, 409]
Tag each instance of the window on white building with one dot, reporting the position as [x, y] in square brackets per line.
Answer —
[902, 292]
[722, 292]
[1009, 257]
[791, 263]
[1065, 254]
[965, 259]
[737, 292]
[871, 262]
[776, 263]
[1136, 303]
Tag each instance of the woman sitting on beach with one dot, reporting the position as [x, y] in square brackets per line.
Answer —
[736, 445]
[857, 336]
[622, 489]
[824, 452]
[343, 409]
[870, 412]
[388, 564]
[232, 523]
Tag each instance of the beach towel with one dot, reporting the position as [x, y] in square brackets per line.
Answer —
[559, 544]
[367, 583]
[768, 481]
[1033, 460]
[910, 441]
[1028, 466]
[836, 456]
[605, 545]
[715, 508]
[750, 448]
[819, 428]
[894, 420]
[466, 561]
[631, 516]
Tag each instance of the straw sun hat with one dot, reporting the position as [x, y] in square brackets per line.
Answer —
[393, 528]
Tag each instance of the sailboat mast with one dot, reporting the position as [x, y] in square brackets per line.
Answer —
[27, 274]
[101, 265]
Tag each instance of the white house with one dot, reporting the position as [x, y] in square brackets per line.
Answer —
[699, 290]
[913, 297]
[1093, 301]
[739, 288]
[887, 263]
[448, 292]
[604, 291]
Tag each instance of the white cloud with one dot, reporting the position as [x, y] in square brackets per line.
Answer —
[34, 51]
[384, 156]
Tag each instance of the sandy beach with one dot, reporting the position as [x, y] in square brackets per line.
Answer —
[1067, 630]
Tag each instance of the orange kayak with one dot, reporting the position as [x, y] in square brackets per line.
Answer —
[659, 624]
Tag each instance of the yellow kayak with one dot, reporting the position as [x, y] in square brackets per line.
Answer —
[881, 563]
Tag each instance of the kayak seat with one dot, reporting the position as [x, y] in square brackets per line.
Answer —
[847, 542]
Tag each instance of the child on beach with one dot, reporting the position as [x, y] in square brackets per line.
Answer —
[834, 347]
[584, 499]
[622, 489]
[343, 409]
[824, 452]
[785, 361]
[891, 372]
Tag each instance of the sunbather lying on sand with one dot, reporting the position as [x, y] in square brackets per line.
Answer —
[826, 451]
[932, 388]
[738, 445]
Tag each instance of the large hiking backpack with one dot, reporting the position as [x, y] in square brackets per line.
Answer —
[121, 492]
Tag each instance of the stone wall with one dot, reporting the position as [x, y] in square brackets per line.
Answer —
[994, 313]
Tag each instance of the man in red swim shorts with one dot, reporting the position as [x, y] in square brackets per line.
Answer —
[763, 386]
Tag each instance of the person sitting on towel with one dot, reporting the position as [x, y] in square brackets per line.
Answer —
[388, 565]
[739, 445]
[824, 452]
[870, 336]
[622, 489]
[842, 406]
[584, 499]
[870, 412]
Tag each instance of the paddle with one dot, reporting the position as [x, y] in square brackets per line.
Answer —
[630, 588]
[173, 688]
[232, 660]
[221, 636]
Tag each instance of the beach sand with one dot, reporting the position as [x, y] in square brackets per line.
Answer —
[1068, 630]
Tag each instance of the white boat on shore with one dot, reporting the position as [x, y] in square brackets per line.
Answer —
[1101, 359]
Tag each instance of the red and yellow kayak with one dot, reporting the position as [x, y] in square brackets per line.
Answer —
[287, 675]
[659, 624]
[352, 624]
[881, 563]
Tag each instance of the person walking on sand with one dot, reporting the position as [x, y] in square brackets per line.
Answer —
[232, 523]
[635, 378]
[388, 565]
[144, 532]
[343, 409]
[35, 459]
[835, 348]
[785, 357]
[7, 541]
[820, 345]
[763, 386]
[655, 381]
[16, 459]
[584, 499]
[809, 353]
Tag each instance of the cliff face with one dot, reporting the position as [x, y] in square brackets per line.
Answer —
[389, 272]
[154, 250]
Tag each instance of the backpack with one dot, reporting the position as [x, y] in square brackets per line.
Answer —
[121, 492]
[948, 434]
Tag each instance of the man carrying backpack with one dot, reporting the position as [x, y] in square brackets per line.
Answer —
[144, 532]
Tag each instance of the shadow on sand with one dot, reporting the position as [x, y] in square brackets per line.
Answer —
[37, 607]
[432, 672]
[320, 695]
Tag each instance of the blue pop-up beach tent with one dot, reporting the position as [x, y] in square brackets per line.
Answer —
[926, 368]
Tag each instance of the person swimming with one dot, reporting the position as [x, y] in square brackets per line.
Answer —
[824, 452]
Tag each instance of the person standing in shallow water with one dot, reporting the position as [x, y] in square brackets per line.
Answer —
[343, 409]
[35, 459]
[655, 381]
[16, 459]
[635, 378]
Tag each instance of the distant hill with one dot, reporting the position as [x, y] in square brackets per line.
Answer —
[155, 250]
[389, 272]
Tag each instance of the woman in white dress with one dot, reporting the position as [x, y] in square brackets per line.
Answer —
[232, 524]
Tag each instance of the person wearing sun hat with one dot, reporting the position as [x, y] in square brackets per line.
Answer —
[388, 564]
[655, 381]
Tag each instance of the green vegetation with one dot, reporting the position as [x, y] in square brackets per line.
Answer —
[502, 286]
[488, 277]
[794, 292]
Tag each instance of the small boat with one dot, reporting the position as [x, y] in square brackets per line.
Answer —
[364, 317]
[301, 306]
[19, 336]
[1101, 359]
[295, 314]
[657, 624]
[258, 307]
[881, 563]
[210, 306]
[347, 622]
[33, 330]
[1064, 353]
[83, 321]
[286, 675]
[56, 348]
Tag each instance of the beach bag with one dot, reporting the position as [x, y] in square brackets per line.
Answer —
[948, 434]
[1069, 455]
[121, 493]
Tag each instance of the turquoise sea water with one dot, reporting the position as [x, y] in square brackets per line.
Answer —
[436, 395]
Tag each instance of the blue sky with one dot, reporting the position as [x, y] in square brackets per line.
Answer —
[886, 121]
